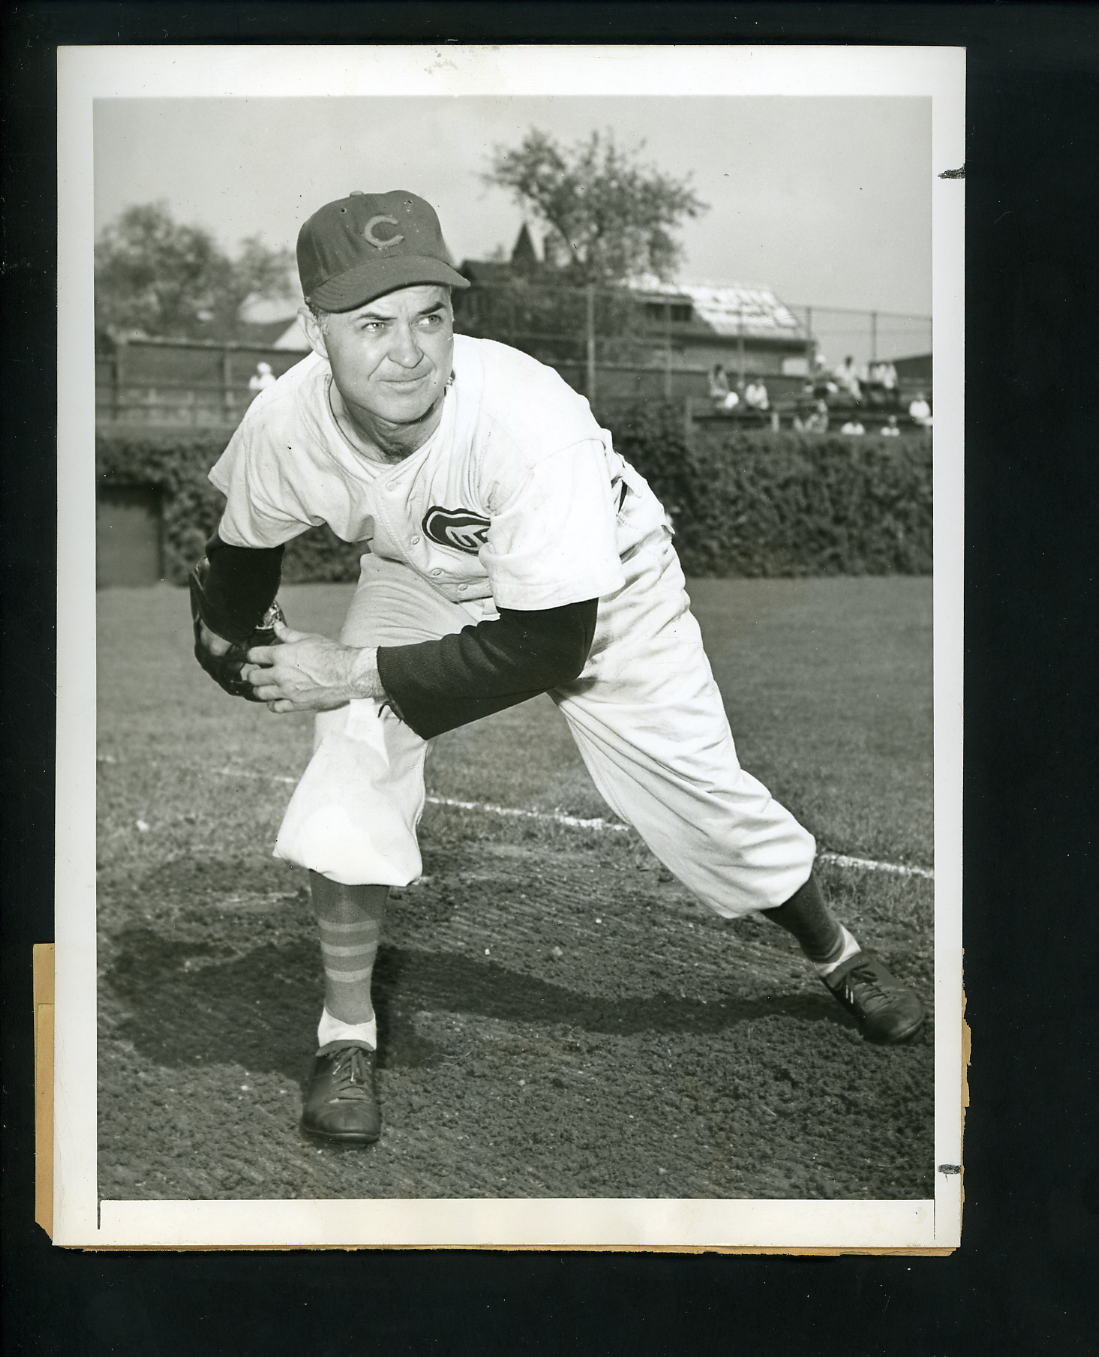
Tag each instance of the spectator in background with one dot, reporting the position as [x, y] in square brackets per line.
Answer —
[261, 379]
[873, 389]
[853, 426]
[823, 385]
[720, 393]
[891, 430]
[887, 376]
[919, 412]
[816, 421]
[848, 380]
[803, 406]
[755, 395]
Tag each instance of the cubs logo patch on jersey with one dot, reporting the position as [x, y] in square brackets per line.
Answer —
[461, 529]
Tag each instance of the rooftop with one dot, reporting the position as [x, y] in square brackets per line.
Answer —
[728, 308]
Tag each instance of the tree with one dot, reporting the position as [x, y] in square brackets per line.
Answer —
[154, 276]
[609, 216]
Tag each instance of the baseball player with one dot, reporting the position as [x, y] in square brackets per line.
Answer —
[508, 551]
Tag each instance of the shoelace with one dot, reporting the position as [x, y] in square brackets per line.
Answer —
[351, 1074]
[869, 991]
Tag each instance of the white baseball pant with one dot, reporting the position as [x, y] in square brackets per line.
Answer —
[647, 718]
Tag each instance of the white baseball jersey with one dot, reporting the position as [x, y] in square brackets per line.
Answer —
[517, 500]
[517, 496]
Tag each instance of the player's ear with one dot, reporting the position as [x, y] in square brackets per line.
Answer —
[314, 331]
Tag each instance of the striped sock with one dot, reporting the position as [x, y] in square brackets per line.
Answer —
[349, 920]
[348, 951]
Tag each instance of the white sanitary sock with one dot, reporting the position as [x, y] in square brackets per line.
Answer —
[850, 947]
[331, 1029]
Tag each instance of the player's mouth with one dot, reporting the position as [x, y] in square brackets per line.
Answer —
[407, 383]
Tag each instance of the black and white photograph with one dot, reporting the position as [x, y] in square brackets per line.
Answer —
[522, 559]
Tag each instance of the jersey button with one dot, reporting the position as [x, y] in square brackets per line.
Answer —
[462, 588]
[415, 541]
[392, 486]
[436, 571]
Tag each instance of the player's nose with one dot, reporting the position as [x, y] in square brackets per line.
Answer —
[404, 347]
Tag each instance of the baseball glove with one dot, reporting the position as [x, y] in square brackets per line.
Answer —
[225, 668]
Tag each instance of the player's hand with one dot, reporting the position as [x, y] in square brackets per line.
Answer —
[307, 672]
[223, 657]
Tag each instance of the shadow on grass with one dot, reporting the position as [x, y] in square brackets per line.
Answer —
[188, 1004]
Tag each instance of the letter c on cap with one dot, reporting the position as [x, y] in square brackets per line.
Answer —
[377, 241]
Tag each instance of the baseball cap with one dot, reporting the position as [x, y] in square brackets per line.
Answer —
[366, 244]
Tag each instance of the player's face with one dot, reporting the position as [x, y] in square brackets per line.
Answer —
[391, 358]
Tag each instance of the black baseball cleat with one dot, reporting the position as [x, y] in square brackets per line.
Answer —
[341, 1102]
[885, 1009]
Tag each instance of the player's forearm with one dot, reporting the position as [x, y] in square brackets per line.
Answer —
[362, 679]
[438, 685]
[322, 674]
[240, 586]
[433, 685]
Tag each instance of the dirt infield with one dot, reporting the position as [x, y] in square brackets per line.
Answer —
[558, 1017]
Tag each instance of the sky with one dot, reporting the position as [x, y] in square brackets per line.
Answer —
[825, 199]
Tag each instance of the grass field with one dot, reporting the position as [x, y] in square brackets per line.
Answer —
[558, 1017]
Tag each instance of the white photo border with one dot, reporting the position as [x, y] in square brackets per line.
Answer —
[86, 74]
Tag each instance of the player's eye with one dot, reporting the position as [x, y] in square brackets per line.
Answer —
[431, 322]
[370, 327]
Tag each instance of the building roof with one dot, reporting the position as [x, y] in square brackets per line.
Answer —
[729, 308]
[488, 270]
[524, 256]
[293, 338]
[267, 333]
[267, 310]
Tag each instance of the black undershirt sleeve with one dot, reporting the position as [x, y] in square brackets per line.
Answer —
[240, 587]
[436, 686]
[433, 685]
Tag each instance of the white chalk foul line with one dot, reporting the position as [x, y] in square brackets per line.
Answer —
[574, 822]
[556, 817]
[871, 865]
[597, 825]
[257, 777]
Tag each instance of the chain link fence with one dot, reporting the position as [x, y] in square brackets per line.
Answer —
[866, 336]
[608, 343]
